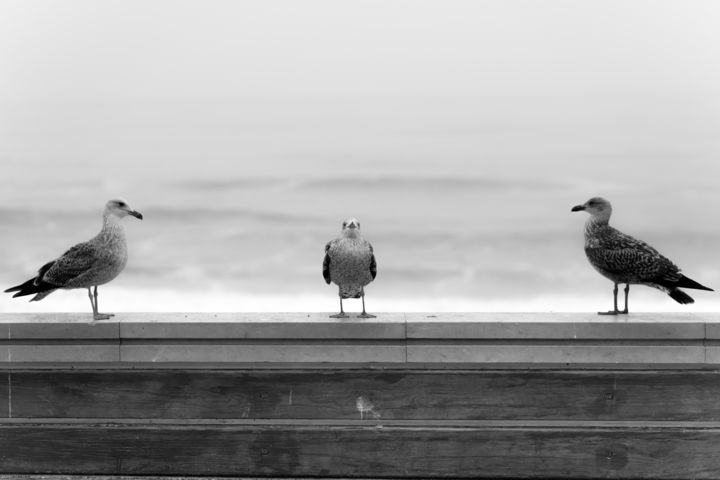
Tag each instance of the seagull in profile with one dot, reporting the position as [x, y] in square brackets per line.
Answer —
[350, 264]
[624, 259]
[88, 264]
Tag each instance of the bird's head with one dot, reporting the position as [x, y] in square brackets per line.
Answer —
[351, 227]
[120, 209]
[597, 207]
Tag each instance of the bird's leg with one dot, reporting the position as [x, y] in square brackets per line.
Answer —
[627, 293]
[97, 314]
[616, 311]
[92, 302]
[342, 314]
[364, 314]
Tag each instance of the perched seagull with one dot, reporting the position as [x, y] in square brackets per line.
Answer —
[350, 264]
[87, 264]
[624, 259]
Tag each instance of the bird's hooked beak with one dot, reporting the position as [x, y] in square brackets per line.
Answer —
[578, 208]
[136, 214]
[352, 225]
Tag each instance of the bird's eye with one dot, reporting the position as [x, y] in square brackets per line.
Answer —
[592, 204]
[344, 224]
[122, 204]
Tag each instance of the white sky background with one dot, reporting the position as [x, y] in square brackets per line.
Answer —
[613, 95]
[126, 50]
[138, 81]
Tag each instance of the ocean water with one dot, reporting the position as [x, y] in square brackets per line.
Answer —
[457, 240]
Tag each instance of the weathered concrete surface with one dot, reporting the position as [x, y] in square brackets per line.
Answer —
[395, 338]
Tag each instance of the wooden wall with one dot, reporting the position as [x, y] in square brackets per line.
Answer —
[431, 396]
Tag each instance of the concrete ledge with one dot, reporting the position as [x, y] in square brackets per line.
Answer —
[568, 326]
[558, 354]
[274, 352]
[260, 326]
[470, 339]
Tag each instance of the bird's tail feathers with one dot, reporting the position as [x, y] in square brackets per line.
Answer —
[680, 296]
[16, 288]
[686, 282]
[23, 287]
[41, 289]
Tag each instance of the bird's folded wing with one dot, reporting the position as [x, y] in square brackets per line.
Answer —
[73, 263]
[640, 263]
[326, 264]
[373, 263]
[614, 239]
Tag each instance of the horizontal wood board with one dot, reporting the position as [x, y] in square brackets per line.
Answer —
[351, 395]
[362, 452]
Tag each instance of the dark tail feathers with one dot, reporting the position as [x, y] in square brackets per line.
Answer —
[686, 282]
[681, 297]
[29, 288]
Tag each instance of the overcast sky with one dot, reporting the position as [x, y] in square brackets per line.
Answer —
[156, 83]
[186, 106]
[124, 50]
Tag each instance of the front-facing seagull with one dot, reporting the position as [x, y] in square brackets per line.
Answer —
[624, 259]
[350, 264]
[87, 264]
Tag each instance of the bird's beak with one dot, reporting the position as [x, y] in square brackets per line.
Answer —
[578, 208]
[136, 214]
[352, 225]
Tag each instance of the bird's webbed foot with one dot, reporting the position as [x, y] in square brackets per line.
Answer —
[340, 315]
[366, 315]
[103, 316]
[610, 312]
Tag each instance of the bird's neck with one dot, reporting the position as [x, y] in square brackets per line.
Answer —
[112, 229]
[595, 223]
[352, 234]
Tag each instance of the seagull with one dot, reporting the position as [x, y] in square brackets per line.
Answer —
[624, 259]
[350, 264]
[87, 264]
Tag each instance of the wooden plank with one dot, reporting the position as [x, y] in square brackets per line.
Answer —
[156, 477]
[5, 393]
[389, 395]
[354, 451]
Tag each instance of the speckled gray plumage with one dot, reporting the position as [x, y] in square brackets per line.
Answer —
[625, 259]
[88, 264]
[350, 264]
